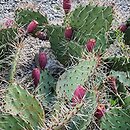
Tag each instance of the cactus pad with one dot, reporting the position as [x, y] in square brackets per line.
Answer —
[77, 117]
[86, 112]
[61, 47]
[7, 36]
[24, 17]
[123, 77]
[58, 44]
[46, 87]
[75, 76]
[19, 101]
[86, 23]
[126, 36]
[118, 63]
[10, 122]
[116, 119]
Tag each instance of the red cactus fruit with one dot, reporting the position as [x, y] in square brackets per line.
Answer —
[100, 111]
[67, 6]
[79, 93]
[32, 26]
[42, 58]
[112, 84]
[123, 27]
[36, 76]
[41, 35]
[68, 33]
[90, 45]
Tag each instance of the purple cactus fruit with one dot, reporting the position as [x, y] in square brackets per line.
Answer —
[36, 76]
[90, 45]
[67, 6]
[42, 60]
[123, 27]
[68, 33]
[78, 95]
[32, 26]
[112, 84]
[100, 111]
[41, 35]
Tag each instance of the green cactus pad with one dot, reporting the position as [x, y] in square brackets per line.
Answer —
[75, 76]
[81, 114]
[86, 113]
[58, 44]
[61, 47]
[19, 101]
[116, 119]
[123, 77]
[127, 37]
[7, 36]
[46, 88]
[91, 22]
[10, 122]
[127, 102]
[24, 16]
[118, 63]
[75, 49]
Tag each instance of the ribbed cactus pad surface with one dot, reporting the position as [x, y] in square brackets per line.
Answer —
[19, 101]
[116, 119]
[10, 122]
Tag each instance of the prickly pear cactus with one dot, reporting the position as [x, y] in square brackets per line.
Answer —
[46, 88]
[11, 122]
[58, 44]
[86, 113]
[76, 117]
[118, 63]
[24, 16]
[116, 119]
[126, 33]
[61, 47]
[127, 103]
[75, 76]
[86, 24]
[7, 36]
[19, 101]
[123, 77]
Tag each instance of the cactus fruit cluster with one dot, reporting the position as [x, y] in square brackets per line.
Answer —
[94, 87]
